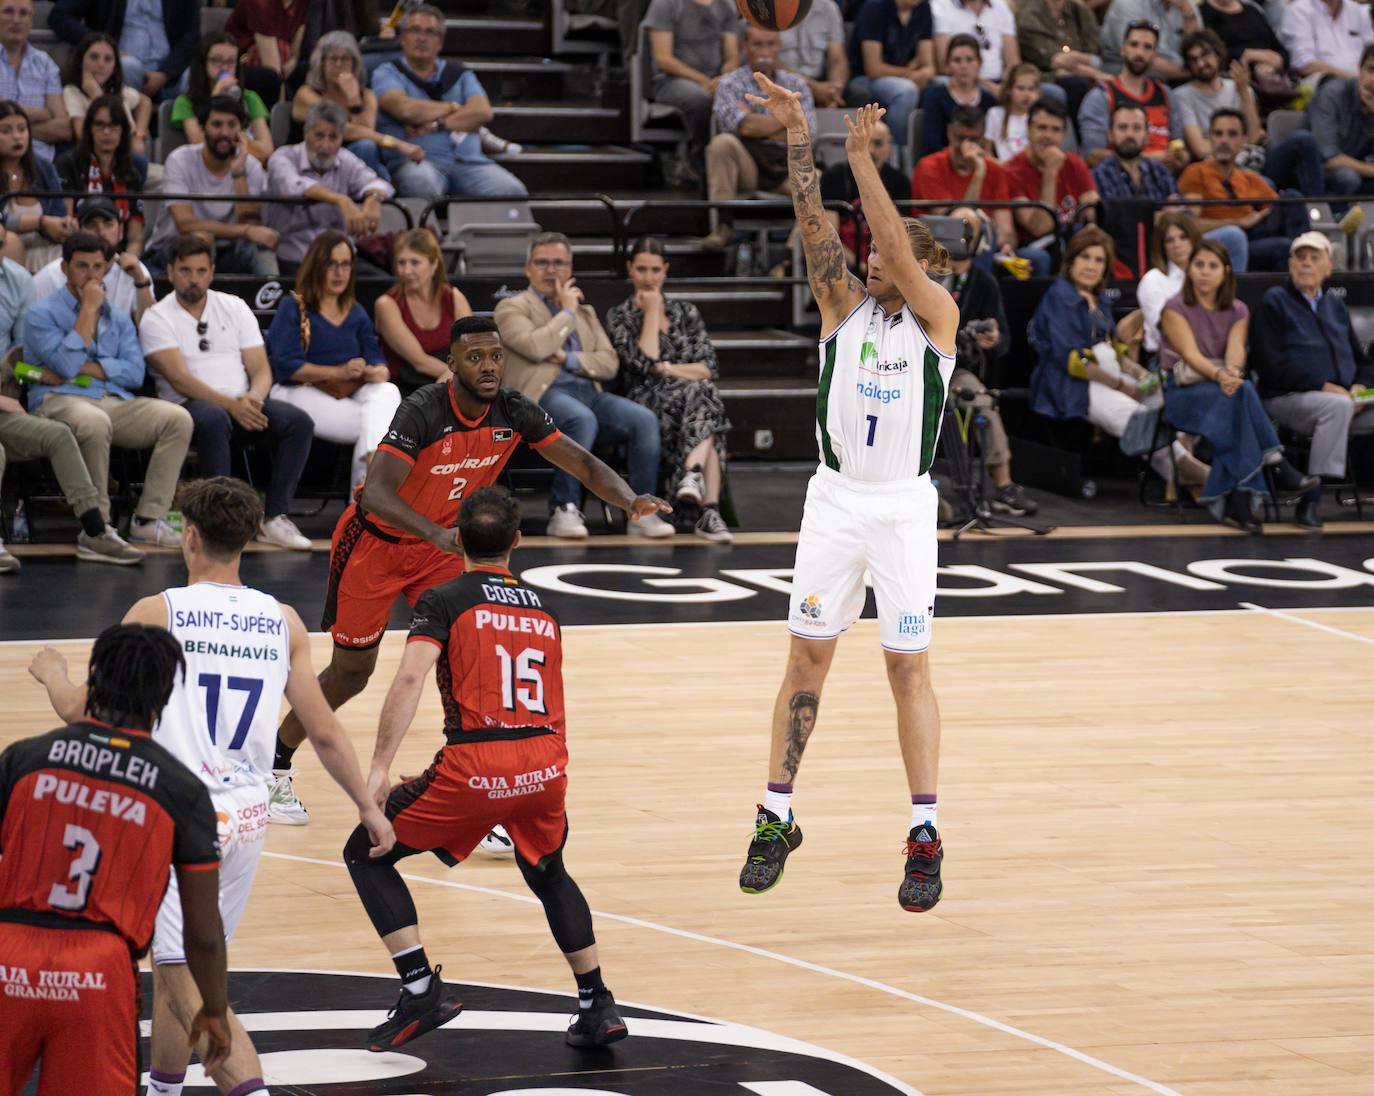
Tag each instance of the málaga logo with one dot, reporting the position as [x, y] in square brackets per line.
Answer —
[309, 1028]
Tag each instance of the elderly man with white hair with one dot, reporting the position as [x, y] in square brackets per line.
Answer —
[345, 194]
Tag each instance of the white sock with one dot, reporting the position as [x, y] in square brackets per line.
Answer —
[417, 987]
[923, 813]
[165, 1088]
[780, 803]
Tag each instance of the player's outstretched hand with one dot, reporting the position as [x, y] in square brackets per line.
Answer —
[782, 104]
[861, 129]
[48, 665]
[644, 505]
[215, 1029]
[379, 830]
[449, 542]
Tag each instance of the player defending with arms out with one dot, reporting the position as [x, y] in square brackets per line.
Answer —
[93, 819]
[887, 353]
[446, 441]
[244, 650]
[499, 657]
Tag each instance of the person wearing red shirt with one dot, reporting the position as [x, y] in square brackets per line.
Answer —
[1045, 173]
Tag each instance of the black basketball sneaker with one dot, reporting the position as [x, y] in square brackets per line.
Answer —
[598, 1026]
[414, 1015]
[921, 886]
[773, 840]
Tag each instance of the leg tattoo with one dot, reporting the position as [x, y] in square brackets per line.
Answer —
[801, 721]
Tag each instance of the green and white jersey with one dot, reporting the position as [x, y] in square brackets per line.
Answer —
[881, 396]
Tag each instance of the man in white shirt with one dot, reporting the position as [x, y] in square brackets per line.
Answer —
[207, 353]
[989, 21]
[1326, 37]
[815, 50]
[128, 285]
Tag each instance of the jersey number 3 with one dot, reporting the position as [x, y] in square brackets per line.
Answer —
[72, 897]
[524, 668]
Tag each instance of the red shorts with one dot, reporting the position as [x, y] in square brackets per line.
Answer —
[69, 997]
[474, 786]
[365, 575]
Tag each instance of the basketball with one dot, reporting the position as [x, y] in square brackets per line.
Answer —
[774, 14]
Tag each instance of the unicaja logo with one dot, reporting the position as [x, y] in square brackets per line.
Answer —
[268, 295]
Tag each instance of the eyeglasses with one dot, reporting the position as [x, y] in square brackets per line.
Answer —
[983, 39]
[106, 125]
[422, 32]
[202, 329]
[339, 59]
[340, 264]
[550, 264]
[1143, 24]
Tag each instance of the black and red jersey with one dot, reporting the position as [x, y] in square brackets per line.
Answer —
[500, 670]
[451, 456]
[92, 819]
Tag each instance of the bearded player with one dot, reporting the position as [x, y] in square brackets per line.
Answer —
[398, 537]
[887, 353]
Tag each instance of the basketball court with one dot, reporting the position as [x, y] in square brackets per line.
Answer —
[1155, 792]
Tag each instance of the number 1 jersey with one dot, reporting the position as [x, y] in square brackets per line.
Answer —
[221, 720]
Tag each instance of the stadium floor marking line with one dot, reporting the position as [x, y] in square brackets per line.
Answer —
[1307, 623]
[801, 964]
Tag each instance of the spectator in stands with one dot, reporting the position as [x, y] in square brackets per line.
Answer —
[128, 285]
[31, 78]
[983, 319]
[344, 192]
[1164, 132]
[337, 73]
[838, 185]
[441, 106]
[892, 59]
[1006, 124]
[1309, 363]
[749, 151]
[1208, 92]
[17, 293]
[1202, 354]
[669, 367]
[207, 354]
[215, 75]
[557, 354]
[1342, 119]
[693, 43]
[1270, 228]
[222, 165]
[1172, 19]
[325, 356]
[1251, 39]
[962, 59]
[77, 334]
[993, 28]
[35, 228]
[269, 34]
[102, 162]
[1077, 373]
[157, 38]
[93, 71]
[1126, 173]
[1326, 37]
[415, 314]
[1062, 39]
[964, 173]
[1175, 238]
[1046, 173]
[815, 50]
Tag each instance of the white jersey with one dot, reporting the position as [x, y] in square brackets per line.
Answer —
[881, 396]
[221, 720]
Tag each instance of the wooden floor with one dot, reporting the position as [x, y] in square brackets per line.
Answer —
[1158, 854]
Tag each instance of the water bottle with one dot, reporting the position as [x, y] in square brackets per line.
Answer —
[19, 528]
[744, 260]
[33, 374]
[234, 92]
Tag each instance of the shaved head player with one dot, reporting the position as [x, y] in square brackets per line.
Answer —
[887, 353]
[398, 537]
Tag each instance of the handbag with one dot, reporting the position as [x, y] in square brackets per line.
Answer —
[340, 389]
[1139, 437]
[1185, 374]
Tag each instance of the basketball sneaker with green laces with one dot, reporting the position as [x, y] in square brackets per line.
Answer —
[414, 1015]
[921, 886]
[773, 840]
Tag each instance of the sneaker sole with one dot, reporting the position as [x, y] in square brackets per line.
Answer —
[408, 1034]
[762, 890]
[689, 496]
[614, 1035]
[1006, 508]
[286, 820]
[96, 557]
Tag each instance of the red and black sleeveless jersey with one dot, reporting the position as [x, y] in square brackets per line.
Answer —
[1155, 103]
[500, 670]
[92, 818]
[450, 456]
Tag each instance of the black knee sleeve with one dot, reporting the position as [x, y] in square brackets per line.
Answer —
[380, 886]
[570, 918]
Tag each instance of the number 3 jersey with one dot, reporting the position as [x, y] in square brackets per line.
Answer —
[500, 669]
[881, 396]
[221, 719]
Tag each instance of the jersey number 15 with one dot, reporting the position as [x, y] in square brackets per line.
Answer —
[523, 668]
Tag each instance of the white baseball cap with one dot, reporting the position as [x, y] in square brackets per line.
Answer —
[1316, 240]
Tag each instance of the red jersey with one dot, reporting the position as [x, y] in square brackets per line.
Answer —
[451, 456]
[92, 818]
[500, 671]
[935, 179]
[1156, 105]
[1075, 180]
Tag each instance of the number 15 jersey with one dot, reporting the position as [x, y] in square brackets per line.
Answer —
[881, 396]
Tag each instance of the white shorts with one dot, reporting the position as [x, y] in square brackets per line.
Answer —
[241, 817]
[887, 529]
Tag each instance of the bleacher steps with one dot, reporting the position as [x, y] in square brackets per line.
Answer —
[560, 123]
[494, 34]
[584, 168]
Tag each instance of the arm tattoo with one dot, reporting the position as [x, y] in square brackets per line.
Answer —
[801, 721]
[825, 265]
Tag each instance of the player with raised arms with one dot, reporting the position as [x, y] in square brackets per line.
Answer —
[887, 353]
[244, 651]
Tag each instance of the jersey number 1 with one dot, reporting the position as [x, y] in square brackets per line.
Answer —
[872, 428]
[250, 685]
[524, 667]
